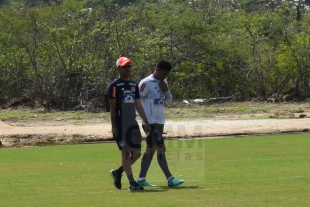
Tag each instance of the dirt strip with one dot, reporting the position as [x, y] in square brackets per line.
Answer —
[42, 134]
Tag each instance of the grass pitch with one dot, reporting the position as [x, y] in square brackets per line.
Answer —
[242, 171]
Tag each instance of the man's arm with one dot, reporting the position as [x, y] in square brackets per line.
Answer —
[112, 103]
[168, 96]
[142, 115]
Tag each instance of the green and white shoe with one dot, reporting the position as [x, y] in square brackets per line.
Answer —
[144, 183]
[175, 182]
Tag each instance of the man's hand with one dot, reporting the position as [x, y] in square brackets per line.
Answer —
[114, 132]
[163, 86]
[147, 129]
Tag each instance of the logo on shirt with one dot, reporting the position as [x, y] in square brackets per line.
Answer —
[161, 93]
[114, 91]
[129, 98]
[122, 143]
[159, 102]
[142, 87]
[128, 91]
[133, 89]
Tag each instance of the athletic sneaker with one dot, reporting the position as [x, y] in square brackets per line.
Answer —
[144, 183]
[116, 179]
[135, 186]
[175, 182]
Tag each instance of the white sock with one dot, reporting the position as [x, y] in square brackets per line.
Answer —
[170, 178]
[140, 179]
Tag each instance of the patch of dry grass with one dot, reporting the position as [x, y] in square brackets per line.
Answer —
[177, 111]
[235, 110]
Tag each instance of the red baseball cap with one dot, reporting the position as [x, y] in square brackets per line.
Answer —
[122, 61]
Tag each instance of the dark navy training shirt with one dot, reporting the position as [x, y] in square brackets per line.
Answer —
[125, 93]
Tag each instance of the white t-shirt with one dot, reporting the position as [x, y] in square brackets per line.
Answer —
[153, 99]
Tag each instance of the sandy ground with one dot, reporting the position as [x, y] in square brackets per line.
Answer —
[60, 132]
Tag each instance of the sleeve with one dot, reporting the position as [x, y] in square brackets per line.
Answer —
[137, 94]
[168, 96]
[112, 91]
[143, 89]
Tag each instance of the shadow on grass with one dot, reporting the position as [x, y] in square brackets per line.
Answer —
[165, 188]
[180, 187]
[150, 190]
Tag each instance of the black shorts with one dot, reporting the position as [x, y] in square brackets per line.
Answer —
[129, 135]
[156, 136]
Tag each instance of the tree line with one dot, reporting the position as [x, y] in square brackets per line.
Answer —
[64, 53]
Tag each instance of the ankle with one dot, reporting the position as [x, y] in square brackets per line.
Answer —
[170, 178]
[130, 178]
[141, 179]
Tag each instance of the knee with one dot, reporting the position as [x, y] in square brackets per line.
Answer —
[150, 151]
[138, 154]
[135, 154]
[161, 149]
[126, 155]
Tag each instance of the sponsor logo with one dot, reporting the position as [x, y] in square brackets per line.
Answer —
[114, 91]
[120, 84]
[161, 93]
[133, 89]
[122, 143]
[132, 84]
[142, 87]
[129, 98]
[159, 102]
[127, 91]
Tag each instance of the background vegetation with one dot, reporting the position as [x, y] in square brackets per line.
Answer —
[64, 52]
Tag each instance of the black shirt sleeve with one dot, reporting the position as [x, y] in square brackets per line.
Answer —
[137, 94]
[112, 92]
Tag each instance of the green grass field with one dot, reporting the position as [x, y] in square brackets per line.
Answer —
[242, 171]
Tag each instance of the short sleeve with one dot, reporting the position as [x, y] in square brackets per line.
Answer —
[137, 94]
[112, 91]
[143, 89]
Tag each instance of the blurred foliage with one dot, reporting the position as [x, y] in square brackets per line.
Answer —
[64, 52]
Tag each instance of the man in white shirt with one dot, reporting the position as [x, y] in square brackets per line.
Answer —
[154, 93]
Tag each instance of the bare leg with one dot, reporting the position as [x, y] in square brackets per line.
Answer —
[135, 154]
[128, 158]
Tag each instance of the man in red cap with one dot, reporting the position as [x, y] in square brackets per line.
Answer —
[124, 100]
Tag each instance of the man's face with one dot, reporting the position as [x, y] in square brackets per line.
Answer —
[161, 74]
[124, 70]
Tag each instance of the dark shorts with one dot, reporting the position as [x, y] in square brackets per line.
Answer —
[156, 136]
[129, 135]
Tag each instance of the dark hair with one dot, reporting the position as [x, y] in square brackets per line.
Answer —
[164, 65]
